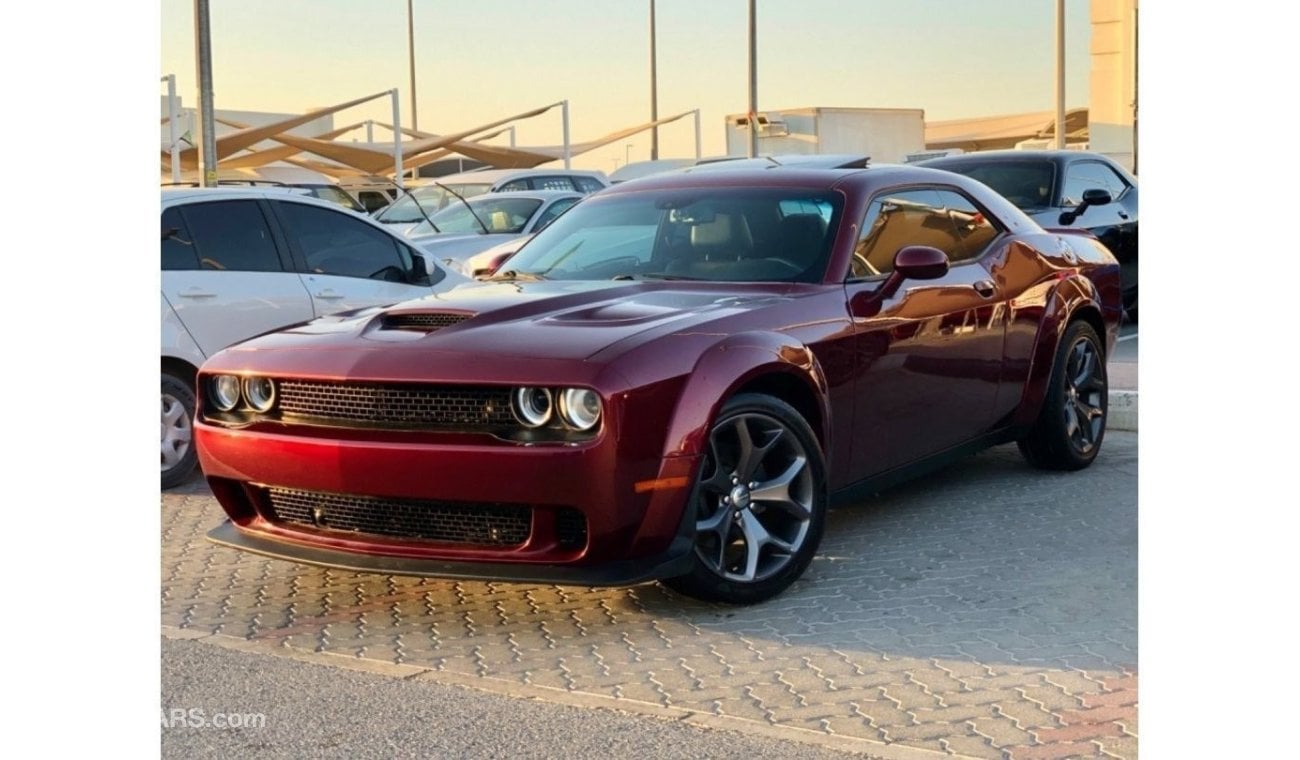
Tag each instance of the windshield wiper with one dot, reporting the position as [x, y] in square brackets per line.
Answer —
[471, 208]
[418, 205]
[511, 274]
[652, 276]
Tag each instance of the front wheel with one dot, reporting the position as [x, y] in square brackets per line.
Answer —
[178, 454]
[759, 503]
[1072, 423]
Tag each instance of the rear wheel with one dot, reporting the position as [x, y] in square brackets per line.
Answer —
[1072, 423]
[178, 455]
[759, 503]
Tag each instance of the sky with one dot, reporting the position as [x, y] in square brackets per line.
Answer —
[480, 61]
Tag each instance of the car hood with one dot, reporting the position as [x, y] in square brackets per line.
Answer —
[564, 320]
[458, 247]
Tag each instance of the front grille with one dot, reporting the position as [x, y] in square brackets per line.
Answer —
[423, 322]
[398, 405]
[570, 528]
[447, 522]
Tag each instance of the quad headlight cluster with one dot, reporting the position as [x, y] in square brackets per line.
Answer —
[227, 391]
[577, 408]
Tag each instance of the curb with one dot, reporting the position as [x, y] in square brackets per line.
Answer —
[874, 750]
[1122, 411]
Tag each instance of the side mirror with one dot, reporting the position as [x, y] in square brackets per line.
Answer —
[912, 262]
[921, 262]
[1092, 197]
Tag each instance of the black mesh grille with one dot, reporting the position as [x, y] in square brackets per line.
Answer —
[571, 529]
[448, 522]
[425, 322]
[428, 406]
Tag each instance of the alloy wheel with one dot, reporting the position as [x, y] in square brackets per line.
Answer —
[755, 498]
[177, 431]
[1085, 388]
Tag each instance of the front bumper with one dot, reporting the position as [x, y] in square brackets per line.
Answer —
[631, 535]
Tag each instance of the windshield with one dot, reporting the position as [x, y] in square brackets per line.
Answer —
[715, 234]
[432, 198]
[501, 214]
[1027, 184]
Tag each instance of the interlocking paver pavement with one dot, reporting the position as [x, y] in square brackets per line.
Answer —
[989, 610]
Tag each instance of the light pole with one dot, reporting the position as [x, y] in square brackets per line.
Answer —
[173, 128]
[410, 47]
[753, 83]
[207, 124]
[654, 90]
[1060, 74]
[627, 149]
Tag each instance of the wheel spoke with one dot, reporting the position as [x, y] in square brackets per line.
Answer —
[777, 490]
[719, 481]
[1084, 366]
[172, 411]
[714, 523]
[169, 456]
[756, 537]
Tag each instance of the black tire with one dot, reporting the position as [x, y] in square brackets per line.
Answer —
[177, 433]
[1072, 423]
[792, 517]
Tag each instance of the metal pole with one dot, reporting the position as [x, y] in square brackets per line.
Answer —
[697, 135]
[1135, 90]
[627, 153]
[1060, 74]
[512, 136]
[566, 133]
[397, 140]
[410, 46]
[173, 127]
[654, 90]
[207, 124]
[753, 83]
[370, 130]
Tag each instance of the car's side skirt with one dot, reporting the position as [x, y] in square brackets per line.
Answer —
[870, 486]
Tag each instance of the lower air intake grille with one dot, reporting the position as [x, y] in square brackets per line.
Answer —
[571, 529]
[448, 522]
[397, 405]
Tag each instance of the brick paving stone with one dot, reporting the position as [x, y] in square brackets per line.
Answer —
[951, 614]
[1070, 751]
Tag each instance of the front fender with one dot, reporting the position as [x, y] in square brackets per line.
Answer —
[726, 368]
[1073, 294]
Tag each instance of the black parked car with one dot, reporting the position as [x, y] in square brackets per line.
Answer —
[1065, 188]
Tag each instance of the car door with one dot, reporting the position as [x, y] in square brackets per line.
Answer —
[346, 263]
[225, 275]
[928, 358]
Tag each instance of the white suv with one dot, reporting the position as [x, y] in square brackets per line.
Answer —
[241, 262]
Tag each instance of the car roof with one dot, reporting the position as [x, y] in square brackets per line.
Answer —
[180, 192]
[542, 195]
[773, 175]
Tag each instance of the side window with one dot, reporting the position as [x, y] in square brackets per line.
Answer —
[898, 219]
[373, 200]
[552, 211]
[553, 183]
[1086, 175]
[587, 184]
[232, 236]
[335, 243]
[177, 248]
[974, 229]
[513, 186]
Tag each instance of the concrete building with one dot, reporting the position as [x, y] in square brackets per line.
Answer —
[1113, 96]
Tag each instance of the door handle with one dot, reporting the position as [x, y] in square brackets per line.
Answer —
[985, 288]
[196, 292]
[1123, 215]
[328, 295]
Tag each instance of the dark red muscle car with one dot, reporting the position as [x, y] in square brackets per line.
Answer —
[673, 381]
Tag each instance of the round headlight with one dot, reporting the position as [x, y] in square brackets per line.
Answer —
[260, 392]
[580, 408]
[225, 392]
[533, 406]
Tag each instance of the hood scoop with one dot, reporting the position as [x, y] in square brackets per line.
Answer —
[422, 321]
